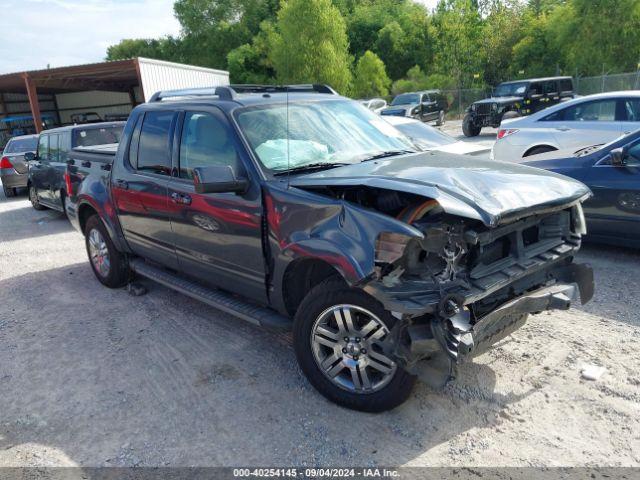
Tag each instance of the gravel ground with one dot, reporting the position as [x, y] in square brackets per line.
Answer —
[96, 377]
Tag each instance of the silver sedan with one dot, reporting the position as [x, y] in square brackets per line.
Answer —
[13, 168]
[593, 119]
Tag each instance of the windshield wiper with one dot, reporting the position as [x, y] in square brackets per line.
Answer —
[309, 168]
[385, 154]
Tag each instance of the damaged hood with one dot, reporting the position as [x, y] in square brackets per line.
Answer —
[493, 192]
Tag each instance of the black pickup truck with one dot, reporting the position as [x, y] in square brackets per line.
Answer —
[292, 207]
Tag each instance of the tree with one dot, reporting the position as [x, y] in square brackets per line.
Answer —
[309, 44]
[370, 79]
[163, 49]
[459, 52]
[398, 31]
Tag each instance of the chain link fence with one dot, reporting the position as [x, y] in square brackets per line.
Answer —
[459, 100]
[607, 83]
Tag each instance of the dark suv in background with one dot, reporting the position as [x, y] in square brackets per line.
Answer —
[514, 99]
[47, 184]
[427, 106]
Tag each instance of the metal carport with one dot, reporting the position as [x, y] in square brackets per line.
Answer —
[108, 87]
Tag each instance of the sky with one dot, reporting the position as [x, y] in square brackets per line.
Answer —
[37, 33]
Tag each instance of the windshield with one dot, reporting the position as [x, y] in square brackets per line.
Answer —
[510, 89]
[89, 137]
[406, 99]
[424, 136]
[328, 132]
[20, 145]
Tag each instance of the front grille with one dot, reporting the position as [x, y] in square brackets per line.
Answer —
[520, 245]
[483, 108]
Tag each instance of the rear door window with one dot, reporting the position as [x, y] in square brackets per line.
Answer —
[566, 86]
[596, 111]
[632, 109]
[154, 148]
[43, 148]
[550, 87]
[54, 148]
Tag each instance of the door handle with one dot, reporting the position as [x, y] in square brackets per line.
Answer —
[563, 129]
[181, 198]
[123, 184]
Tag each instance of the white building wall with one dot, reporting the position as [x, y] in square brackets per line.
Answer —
[157, 75]
[100, 102]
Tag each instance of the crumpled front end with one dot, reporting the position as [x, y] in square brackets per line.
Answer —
[463, 287]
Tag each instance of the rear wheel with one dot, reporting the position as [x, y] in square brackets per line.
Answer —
[469, 128]
[33, 197]
[440, 120]
[338, 334]
[9, 191]
[109, 265]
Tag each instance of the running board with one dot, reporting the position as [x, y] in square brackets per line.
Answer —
[226, 302]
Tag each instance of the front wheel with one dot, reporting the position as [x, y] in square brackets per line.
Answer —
[338, 335]
[9, 192]
[469, 128]
[109, 265]
[33, 197]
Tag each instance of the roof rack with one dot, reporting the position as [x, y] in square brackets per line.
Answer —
[229, 92]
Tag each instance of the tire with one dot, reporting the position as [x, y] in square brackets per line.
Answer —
[110, 266]
[354, 377]
[538, 150]
[440, 120]
[468, 128]
[33, 197]
[9, 192]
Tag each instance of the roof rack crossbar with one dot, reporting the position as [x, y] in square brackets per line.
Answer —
[229, 92]
[224, 93]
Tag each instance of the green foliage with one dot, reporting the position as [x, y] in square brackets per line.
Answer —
[461, 44]
[309, 44]
[416, 80]
[370, 79]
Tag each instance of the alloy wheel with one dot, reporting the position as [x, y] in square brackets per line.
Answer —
[99, 253]
[347, 347]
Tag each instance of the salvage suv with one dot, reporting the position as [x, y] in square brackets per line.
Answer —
[293, 207]
[515, 99]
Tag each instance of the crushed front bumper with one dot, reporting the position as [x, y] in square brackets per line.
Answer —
[432, 349]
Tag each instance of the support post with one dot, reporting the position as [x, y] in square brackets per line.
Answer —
[32, 93]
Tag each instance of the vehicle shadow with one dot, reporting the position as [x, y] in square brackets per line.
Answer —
[20, 222]
[116, 380]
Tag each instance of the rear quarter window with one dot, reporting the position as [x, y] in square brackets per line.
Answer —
[154, 143]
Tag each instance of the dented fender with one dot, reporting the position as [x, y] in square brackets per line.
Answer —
[305, 225]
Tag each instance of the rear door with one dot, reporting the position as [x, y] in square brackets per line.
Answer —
[586, 123]
[139, 190]
[217, 235]
[38, 168]
[631, 113]
[429, 107]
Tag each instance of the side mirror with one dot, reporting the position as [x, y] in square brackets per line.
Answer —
[29, 156]
[618, 157]
[218, 179]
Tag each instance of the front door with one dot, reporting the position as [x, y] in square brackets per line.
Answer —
[38, 169]
[217, 236]
[614, 209]
[140, 188]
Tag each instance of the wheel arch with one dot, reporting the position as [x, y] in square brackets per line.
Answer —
[528, 151]
[303, 274]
